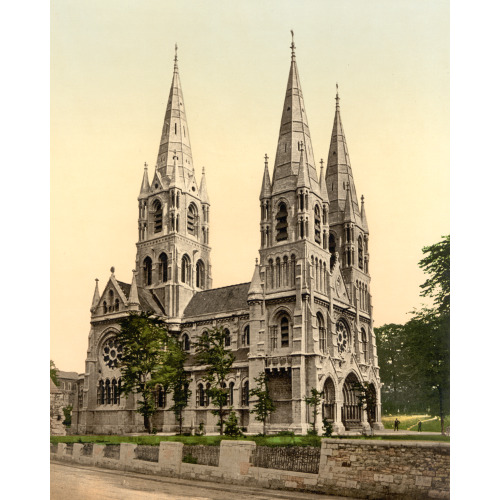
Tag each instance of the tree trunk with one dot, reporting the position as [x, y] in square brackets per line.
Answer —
[264, 426]
[441, 412]
[221, 421]
[147, 423]
[180, 422]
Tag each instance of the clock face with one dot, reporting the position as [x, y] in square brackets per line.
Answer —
[112, 353]
[341, 337]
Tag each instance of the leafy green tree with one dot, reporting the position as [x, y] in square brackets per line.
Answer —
[174, 378]
[436, 264]
[53, 373]
[211, 353]
[232, 427]
[263, 406]
[143, 339]
[67, 415]
[314, 400]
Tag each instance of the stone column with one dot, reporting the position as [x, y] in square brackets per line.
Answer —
[127, 452]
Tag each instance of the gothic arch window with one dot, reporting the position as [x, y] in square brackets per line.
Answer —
[284, 331]
[292, 270]
[285, 271]
[117, 305]
[227, 338]
[231, 393]
[115, 392]
[105, 307]
[147, 269]
[245, 394]
[365, 345]
[200, 395]
[246, 336]
[161, 398]
[270, 274]
[225, 400]
[163, 268]
[186, 270]
[108, 393]
[332, 246]
[100, 393]
[278, 272]
[157, 216]
[360, 253]
[207, 395]
[343, 335]
[192, 220]
[317, 225]
[322, 332]
[185, 342]
[200, 274]
[282, 222]
[111, 296]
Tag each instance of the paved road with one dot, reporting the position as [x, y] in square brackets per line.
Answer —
[70, 482]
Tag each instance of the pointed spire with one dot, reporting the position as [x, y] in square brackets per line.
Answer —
[175, 134]
[322, 184]
[145, 188]
[255, 290]
[338, 171]
[265, 191]
[364, 222]
[203, 188]
[294, 129]
[303, 175]
[133, 299]
[96, 298]
[349, 209]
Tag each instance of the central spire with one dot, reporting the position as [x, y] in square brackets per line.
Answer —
[294, 129]
[175, 133]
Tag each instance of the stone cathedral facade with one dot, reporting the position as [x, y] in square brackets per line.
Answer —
[305, 318]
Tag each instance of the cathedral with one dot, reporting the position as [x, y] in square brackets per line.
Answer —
[305, 318]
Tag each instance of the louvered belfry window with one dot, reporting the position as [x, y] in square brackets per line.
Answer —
[282, 223]
[158, 215]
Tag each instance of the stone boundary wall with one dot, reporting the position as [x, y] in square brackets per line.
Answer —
[348, 467]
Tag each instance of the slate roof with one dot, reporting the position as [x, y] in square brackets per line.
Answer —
[70, 375]
[239, 355]
[147, 299]
[218, 300]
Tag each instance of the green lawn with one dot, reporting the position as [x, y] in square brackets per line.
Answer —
[215, 440]
[409, 422]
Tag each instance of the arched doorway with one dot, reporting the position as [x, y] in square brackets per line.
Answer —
[372, 404]
[351, 411]
[329, 400]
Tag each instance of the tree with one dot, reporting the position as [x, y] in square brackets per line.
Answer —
[264, 405]
[211, 352]
[436, 263]
[53, 373]
[67, 415]
[314, 400]
[175, 379]
[143, 339]
[232, 427]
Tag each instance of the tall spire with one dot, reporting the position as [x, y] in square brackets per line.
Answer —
[175, 133]
[96, 298]
[349, 214]
[364, 222]
[303, 175]
[145, 189]
[322, 184]
[203, 188]
[255, 290]
[265, 191]
[338, 171]
[293, 129]
[133, 298]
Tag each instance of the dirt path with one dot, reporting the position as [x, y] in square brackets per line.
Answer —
[426, 420]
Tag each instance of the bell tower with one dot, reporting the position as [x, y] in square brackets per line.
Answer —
[173, 252]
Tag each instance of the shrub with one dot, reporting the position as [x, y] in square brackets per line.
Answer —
[232, 428]
[285, 433]
[327, 425]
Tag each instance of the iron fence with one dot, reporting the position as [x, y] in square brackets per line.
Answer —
[201, 454]
[292, 458]
[147, 452]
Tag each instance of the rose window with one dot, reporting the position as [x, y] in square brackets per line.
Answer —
[112, 353]
[342, 336]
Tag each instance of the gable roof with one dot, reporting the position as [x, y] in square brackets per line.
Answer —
[147, 299]
[70, 375]
[218, 300]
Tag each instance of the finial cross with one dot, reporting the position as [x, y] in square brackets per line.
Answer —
[145, 165]
[175, 58]
[321, 162]
[266, 157]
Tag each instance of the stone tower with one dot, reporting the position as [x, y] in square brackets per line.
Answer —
[173, 252]
[348, 233]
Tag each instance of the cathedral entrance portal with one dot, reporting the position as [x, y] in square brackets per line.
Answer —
[329, 400]
[351, 411]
